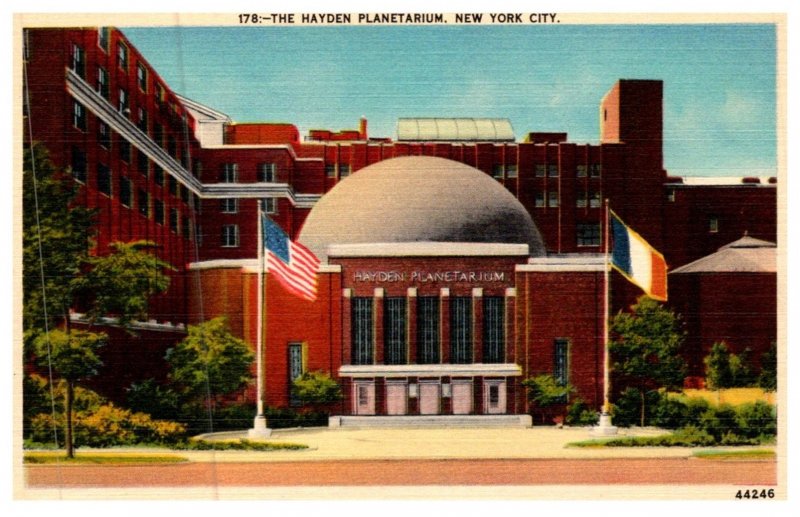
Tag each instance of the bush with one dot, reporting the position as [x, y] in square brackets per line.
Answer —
[580, 414]
[676, 412]
[149, 397]
[768, 379]
[627, 408]
[719, 421]
[757, 419]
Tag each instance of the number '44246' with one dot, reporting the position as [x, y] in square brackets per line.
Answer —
[755, 493]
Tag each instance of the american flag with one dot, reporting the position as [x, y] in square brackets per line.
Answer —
[294, 266]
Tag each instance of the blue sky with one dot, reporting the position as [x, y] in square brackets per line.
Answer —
[719, 80]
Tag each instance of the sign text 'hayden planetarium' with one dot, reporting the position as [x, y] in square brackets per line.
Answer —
[429, 276]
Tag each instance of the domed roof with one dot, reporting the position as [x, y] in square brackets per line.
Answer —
[419, 199]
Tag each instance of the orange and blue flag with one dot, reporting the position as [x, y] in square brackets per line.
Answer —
[632, 256]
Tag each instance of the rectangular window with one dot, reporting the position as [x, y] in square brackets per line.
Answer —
[186, 228]
[141, 77]
[561, 361]
[79, 116]
[142, 120]
[78, 61]
[122, 56]
[713, 224]
[230, 235]
[494, 329]
[595, 170]
[344, 170]
[79, 165]
[124, 150]
[552, 170]
[552, 199]
[102, 82]
[428, 330]
[142, 163]
[158, 133]
[103, 134]
[102, 38]
[229, 205]
[104, 179]
[160, 93]
[394, 330]
[460, 330]
[497, 171]
[671, 195]
[580, 171]
[588, 234]
[158, 174]
[230, 173]
[580, 199]
[172, 146]
[362, 330]
[330, 170]
[123, 102]
[511, 171]
[158, 211]
[125, 191]
[296, 370]
[271, 205]
[540, 170]
[539, 199]
[172, 185]
[494, 395]
[184, 193]
[266, 172]
[144, 203]
[595, 200]
[173, 219]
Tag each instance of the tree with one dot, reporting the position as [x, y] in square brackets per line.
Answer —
[646, 349]
[121, 283]
[209, 362]
[72, 356]
[768, 379]
[546, 391]
[316, 389]
[56, 238]
[725, 369]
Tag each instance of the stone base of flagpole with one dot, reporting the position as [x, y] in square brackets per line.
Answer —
[260, 429]
[604, 427]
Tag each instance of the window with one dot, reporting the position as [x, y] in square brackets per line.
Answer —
[102, 82]
[186, 228]
[552, 199]
[580, 199]
[125, 191]
[172, 184]
[540, 170]
[394, 330]
[580, 171]
[494, 329]
[196, 203]
[124, 150]
[494, 395]
[158, 133]
[497, 171]
[142, 163]
[266, 172]
[588, 234]
[511, 171]
[184, 193]
[172, 146]
[713, 224]
[102, 38]
[158, 211]
[595, 200]
[460, 330]
[78, 61]
[330, 170]
[123, 102]
[197, 168]
[144, 203]
[539, 199]
[595, 169]
[552, 170]
[296, 369]
[561, 362]
[671, 195]
[142, 120]
[103, 134]
[362, 330]
[104, 179]
[229, 205]
[79, 116]
[173, 219]
[271, 205]
[122, 56]
[230, 173]
[344, 170]
[160, 93]
[79, 165]
[158, 174]
[428, 330]
[230, 235]
[141, 77]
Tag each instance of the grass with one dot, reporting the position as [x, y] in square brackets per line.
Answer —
[44, 458]
[751, 454]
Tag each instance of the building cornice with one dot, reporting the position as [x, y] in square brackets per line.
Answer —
[431, 370]
[427, 249]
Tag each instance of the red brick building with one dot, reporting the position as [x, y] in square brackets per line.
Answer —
[520, 218]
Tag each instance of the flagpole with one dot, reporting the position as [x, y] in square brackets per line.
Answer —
[604, 427]
[260, 429]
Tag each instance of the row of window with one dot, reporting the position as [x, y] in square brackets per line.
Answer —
[231, 205]
[266, 173]
[395, 340]
[509, 171]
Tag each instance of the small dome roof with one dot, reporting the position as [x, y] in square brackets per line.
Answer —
[419, 199]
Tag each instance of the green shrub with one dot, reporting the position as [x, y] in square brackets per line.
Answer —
[757, 419]
[580, 414]
[149, 397]
[627, 408]
[721, 420]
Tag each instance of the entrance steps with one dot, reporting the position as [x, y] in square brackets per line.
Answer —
[431, 421]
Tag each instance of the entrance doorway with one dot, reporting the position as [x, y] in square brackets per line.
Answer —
[429, 398]
[364, 398]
